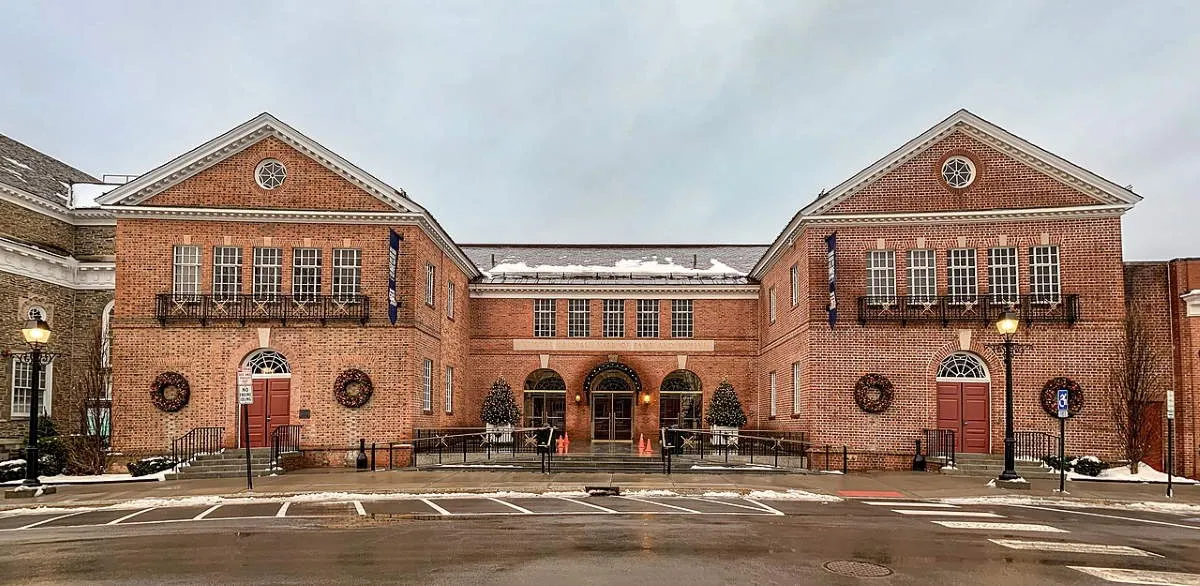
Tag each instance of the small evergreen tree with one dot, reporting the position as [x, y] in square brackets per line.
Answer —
[724, 408]
[499, 406]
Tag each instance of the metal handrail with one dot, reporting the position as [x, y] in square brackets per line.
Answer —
[941, 443]
[201, 440]
[285, 439]
[703, 443]
[488, 444]
[244, 308]
[984, 309]
[1035, 445]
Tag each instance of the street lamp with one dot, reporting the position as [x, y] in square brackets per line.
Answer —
[37, 334]
[1007, 326]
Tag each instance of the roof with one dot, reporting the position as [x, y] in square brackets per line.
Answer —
[32, 171]
[609, 264]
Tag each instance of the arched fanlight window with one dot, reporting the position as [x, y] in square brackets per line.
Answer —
[544, 379]
[267, 361]
[961, 365]
[681, 381]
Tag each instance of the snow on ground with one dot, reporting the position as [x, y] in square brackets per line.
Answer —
[745, 467]
[1122, 474]
[639, 267]
[86, 479]
[1148, 506]
[792, 495]
[478, 466]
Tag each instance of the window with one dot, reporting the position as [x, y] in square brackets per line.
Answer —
[427, 386]
[774, 395]
[680, 401]
[795, 388]
[958, 172]
[306, 273]
[449, 389]
[577, 318]
[450, 299]
[647, 318]
[1002, 275]
[22, 387]
[614, 318]
[270, 174]
[881, 276]
[681, 318]
[543, 318]
[962, 366]
[922, 277]
[347, 273]
[268, 273]
[36, 312]
[962, 282]
[430, 284]
[227, 272]
[794, 274]
[1044, 283]
[542, 409]
[771, 304]
[186, 279]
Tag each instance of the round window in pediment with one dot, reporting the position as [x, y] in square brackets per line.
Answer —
[270, 174]
[958, 172]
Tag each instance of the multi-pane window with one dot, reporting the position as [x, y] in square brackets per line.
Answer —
[881, 276]
[306, 273]
[450, 299]
[614, 318]
[1044, 283]
[449, 389]
[922, 276]
[647, 318]
[771, 304]
[794, 275]
[962, 281]
[681, 318]
[347, 273]
[795, 387]
[427, 386]
[577, 318]
[268, 273]
[430, 284]
[22, 387]
[543, 318]
[227, 272]
[185, 282]
[1002, 274]
[774, 395]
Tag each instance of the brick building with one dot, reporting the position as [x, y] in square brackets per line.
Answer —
[264, 250]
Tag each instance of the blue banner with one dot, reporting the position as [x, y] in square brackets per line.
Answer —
[393, 256]
[831, 261]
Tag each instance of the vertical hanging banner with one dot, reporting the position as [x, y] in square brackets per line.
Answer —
[393, 256]
[831, 261]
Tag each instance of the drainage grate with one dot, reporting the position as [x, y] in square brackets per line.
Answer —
[856, 569]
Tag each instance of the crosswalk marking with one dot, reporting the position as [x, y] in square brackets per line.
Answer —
[1126, 576]
[44, 521]
[1066, 547]
[283, 509]
[740, 506]
[512, 506]
[766, 507]
[1000, 526]
[358, 508]
[206, 513]
[435, 507]
[948, 513]
[597, 507]
[686, 510]
[128, 517]
[910, 504]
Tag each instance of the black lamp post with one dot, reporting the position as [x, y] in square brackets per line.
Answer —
[37, 334]
[1007, 326]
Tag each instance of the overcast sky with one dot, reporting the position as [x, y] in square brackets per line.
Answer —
[640, 121]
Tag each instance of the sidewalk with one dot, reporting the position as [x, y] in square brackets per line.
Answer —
[921, 485]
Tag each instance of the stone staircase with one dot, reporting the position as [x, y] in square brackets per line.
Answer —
[227, 464]
[993, 464]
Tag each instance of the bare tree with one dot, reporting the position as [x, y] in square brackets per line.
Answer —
[86, 410]
[1135, 384]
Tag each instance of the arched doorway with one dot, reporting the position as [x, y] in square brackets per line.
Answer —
[271, 409]
[680, 400]
[612, 388]
[963, 391]
[545, 399]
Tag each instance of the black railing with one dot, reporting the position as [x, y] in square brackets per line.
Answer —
[1032, 446]
[984, 309]
[445, 447]
[201, 440]
[285, 439]
[743, 450]
[941, 444]
[243, 308]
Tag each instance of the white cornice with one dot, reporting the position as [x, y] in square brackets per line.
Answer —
[33, 203]
[1192, 299]
[19, 259]
[551, 291]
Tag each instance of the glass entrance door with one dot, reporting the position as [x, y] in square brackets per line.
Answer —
[612, 416]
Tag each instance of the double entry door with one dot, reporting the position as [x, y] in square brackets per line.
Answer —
[272, 398]
[963, 407]
[612, 416]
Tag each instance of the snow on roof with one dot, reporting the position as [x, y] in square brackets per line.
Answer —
[622, 266]
[83, 195]
[686, 263]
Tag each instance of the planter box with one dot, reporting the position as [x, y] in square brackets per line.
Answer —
[723, 435]
[500, 434]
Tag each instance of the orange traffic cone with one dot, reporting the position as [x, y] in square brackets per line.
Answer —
[566, 443]
[642, 445]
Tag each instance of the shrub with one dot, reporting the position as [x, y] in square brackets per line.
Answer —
[52, 453]
[150, 465]
[1090, 466]
[12, 470]
[1053, 462]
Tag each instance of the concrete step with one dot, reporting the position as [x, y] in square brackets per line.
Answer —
[199, 475]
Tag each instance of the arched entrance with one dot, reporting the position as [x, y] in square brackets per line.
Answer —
[271, 409]
[612, 388]
[963, 391]
[680, 401]
[545, 399]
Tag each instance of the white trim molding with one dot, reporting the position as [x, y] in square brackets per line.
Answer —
[626, 291]
[1192, 299]
[62, 213]
[612, 345]
[64, 271]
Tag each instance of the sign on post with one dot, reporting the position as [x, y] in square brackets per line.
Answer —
[1064, 404]
[245, 387]
[1064, 411]
[1170, 404]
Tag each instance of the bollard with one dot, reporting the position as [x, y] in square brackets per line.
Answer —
[918, 464]
[373, 457]
[845, 460]
[360, 463]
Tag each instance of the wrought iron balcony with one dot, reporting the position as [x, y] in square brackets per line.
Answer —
[983, 309]
[246, 308]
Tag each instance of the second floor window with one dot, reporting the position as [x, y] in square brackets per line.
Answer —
[774, 395]
[427, 386]
[922, 276]
[543, 318]
[449, 389]
[430, 284]
[614, 318]
[881, 276]
[227, 272]
[577, 318]
[794, 274]
[1002, 274]
[962, 282]
[185, 280]
[795, 387]
[681, 318]
[647, 318]
[268, 273]
[771, 304]
[450, 299]
[306, 273]
[347, 272]
[1044, 284]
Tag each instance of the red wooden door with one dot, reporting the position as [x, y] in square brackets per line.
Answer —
[257, 415]
[272, 403]
[963, 407]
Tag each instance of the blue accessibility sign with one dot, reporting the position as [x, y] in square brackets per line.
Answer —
[1064, 404]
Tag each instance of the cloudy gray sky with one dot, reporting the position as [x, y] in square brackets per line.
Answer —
[639, 121]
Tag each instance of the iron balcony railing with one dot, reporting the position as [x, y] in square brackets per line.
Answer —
[984, 309]
[175, 307]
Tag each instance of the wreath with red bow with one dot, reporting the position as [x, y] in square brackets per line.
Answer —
[353, 388]
[170, 392]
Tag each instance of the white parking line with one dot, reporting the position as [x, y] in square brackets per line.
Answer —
[740, 506]
[767, 507]
[129, 516]
[44, 521]
[1061, 546]
[1124, 576]
[1152, 521]
[947, 513]
[1000, 526]
[686, 510]
[597, 507]
[510, 505]
[358, 508]
[283, 509]
[206, 513]
[434, 506]
[908, 504]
